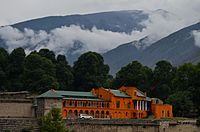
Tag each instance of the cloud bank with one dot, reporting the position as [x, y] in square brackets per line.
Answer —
[62, 39]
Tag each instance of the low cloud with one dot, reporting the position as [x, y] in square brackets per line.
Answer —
[159, 25]
[196, 34]
[62, 39]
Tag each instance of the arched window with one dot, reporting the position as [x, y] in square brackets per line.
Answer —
[75, 114]
[168, 113]
[102, 114]
[103, 105]
[107, 114]
[163, 113]
[70, 114]
[81, 112]
[118, 104]
[97, 114]
[86, 112]
[92, 113]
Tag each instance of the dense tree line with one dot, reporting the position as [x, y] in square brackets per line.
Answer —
[40, 71]
[43, 70]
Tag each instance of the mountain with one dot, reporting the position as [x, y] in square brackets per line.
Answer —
[178, 48]
[115, 21]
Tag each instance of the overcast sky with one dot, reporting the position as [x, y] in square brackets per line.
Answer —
[13, 11]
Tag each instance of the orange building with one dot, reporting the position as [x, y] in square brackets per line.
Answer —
[126, 102]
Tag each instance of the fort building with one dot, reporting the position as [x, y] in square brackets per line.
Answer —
[126, 102]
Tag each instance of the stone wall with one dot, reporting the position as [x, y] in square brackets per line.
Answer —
[16, 108]
[132, 126]
[18, 124]
[45, 105]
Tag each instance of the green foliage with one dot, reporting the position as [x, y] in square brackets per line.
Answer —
[90, 71]
[64, 73]
[16, 69]
[185, 77]
[182, 103]
[134, 74]
[47, 54]
[163, 75]
[198, 121]
[39, 73]
[53, 122]
[26, 130]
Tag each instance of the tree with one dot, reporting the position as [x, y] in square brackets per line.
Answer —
[3, 69]
[182, 103]
[53, 122]
[188, 79]
[90, 71]
[163, 75]
[64, 73]
[48, 54]
[16, 69]
[134, 74]
[39, 74]
[185, 77]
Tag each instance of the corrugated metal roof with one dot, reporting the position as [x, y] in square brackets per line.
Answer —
[50, 94]
[148, 99]
[76, 93]
[61, 94]
[140, 94]
[119, 93]
[88, 99]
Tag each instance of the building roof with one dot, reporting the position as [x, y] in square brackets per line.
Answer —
[119, 93]
[50, 94]
[62, 94]
[76, 93]
[140, 94]
[88, 99]
[148, 99]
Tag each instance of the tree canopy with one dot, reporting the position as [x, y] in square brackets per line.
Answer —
[53, 122]
[90, 71]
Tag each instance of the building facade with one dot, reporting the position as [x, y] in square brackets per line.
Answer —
[126, 102]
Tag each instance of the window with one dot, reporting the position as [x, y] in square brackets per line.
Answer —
[168, 113]
[103, 105]
[107, 105]
[163, 113]
[129, 105]
[64, 104]
[118, 104]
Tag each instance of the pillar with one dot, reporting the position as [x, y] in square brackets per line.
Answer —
[146, 105]
[143, 105]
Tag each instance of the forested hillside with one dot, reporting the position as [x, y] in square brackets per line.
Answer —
[40, 71]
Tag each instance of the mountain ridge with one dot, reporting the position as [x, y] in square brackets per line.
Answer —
[178, 48]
